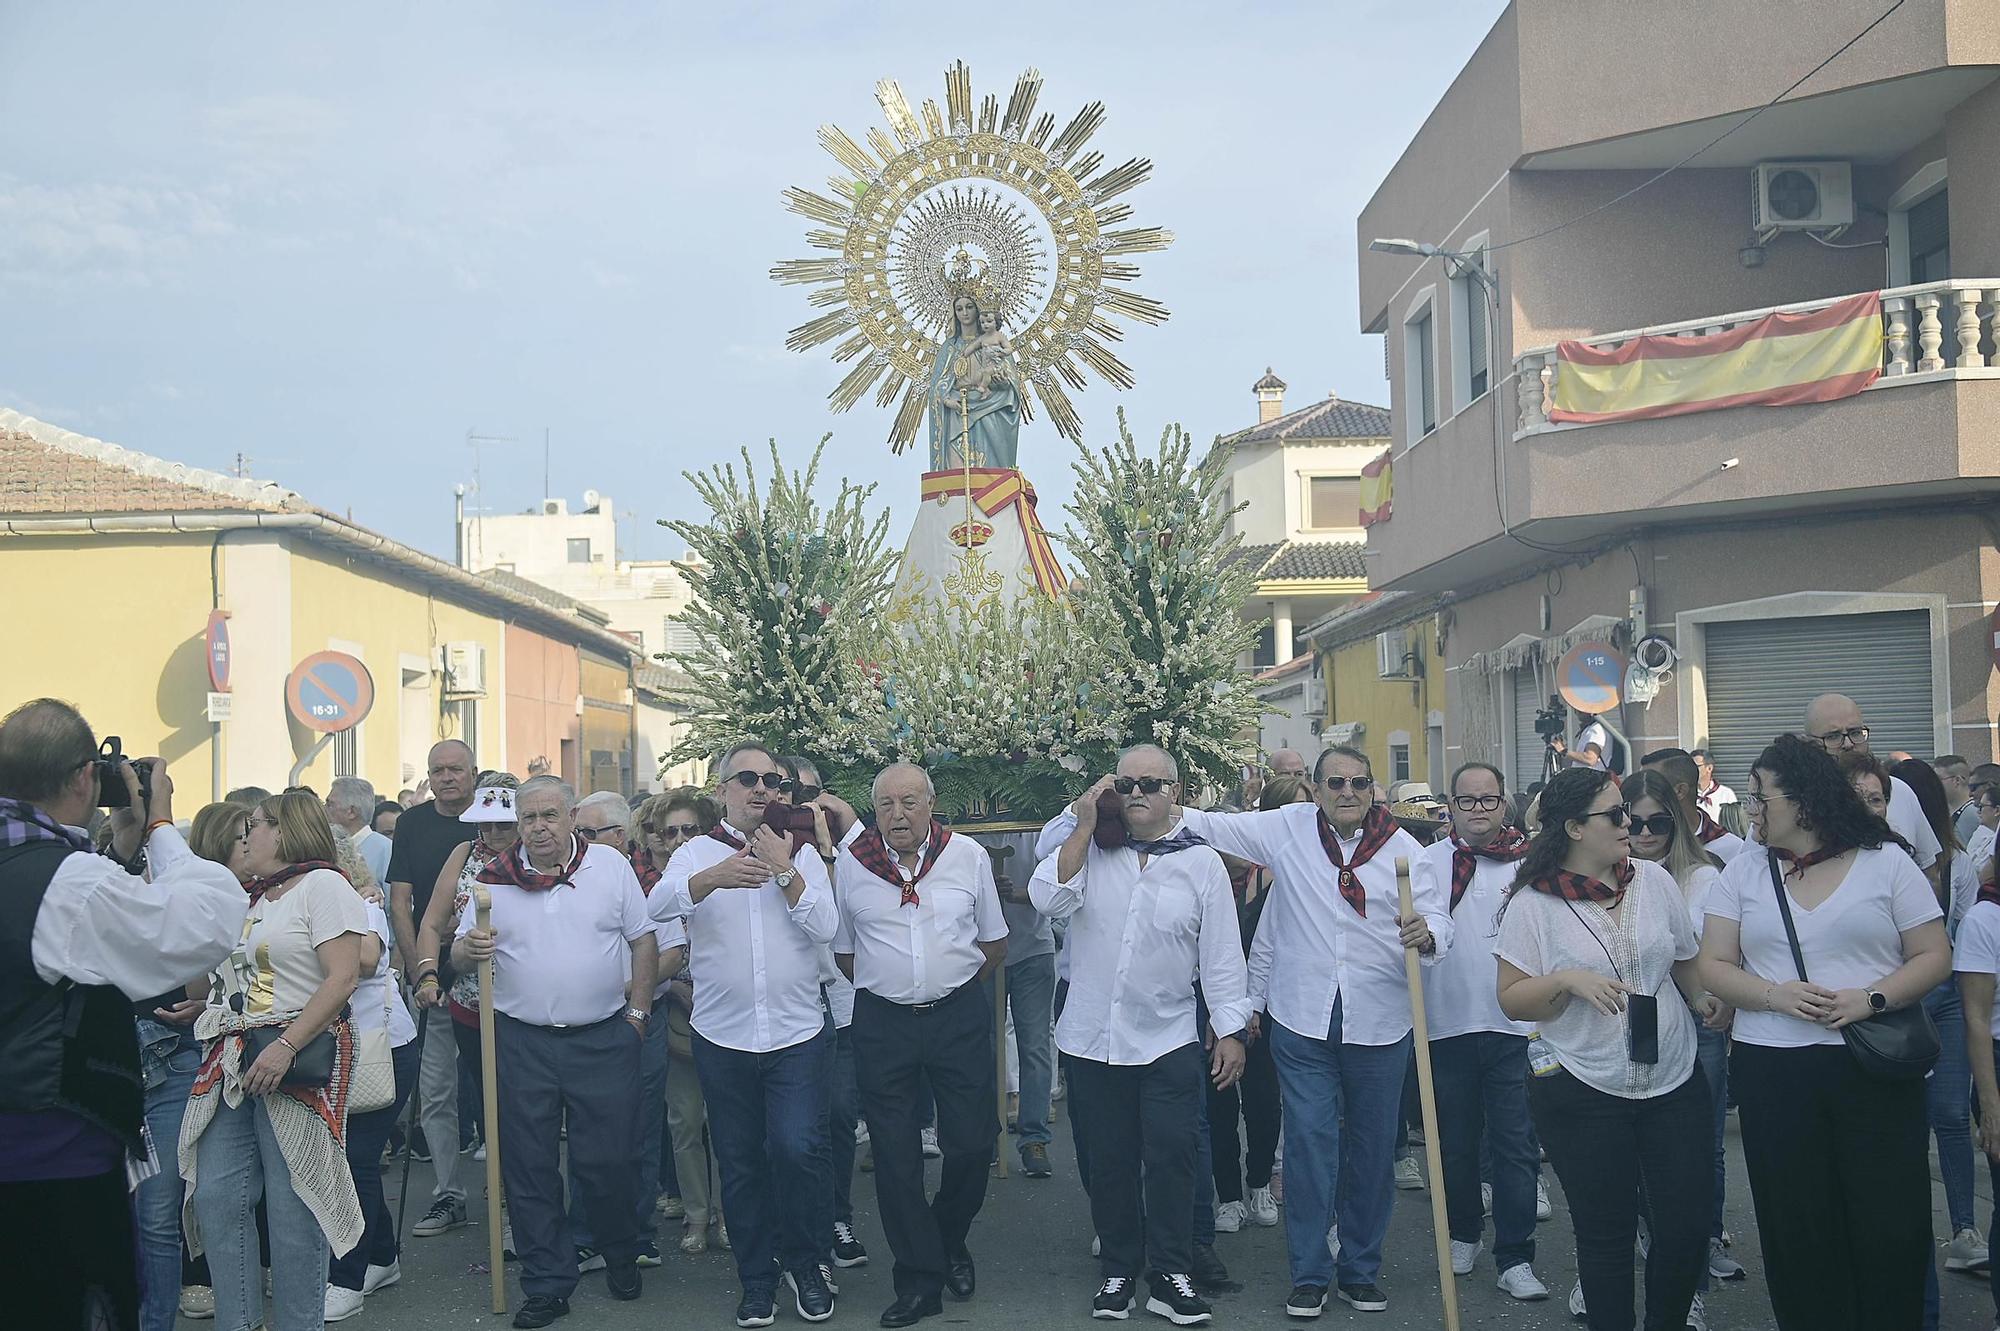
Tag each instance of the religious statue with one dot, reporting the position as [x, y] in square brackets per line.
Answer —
[975, 405]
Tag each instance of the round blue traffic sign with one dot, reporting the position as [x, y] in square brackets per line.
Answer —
[1590, 677]
[329, 692]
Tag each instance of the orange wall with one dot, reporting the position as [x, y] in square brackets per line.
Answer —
[543, 682]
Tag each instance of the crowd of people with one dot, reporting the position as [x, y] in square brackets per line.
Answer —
[710, 1006]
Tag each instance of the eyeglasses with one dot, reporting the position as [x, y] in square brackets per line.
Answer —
[679, 831]
[1484, 803]
[1359, 784]
[257, 820]
[1150, 785]
[771, 780]
[1660, 824]
[803, 792]
[592, 833]
[1847, 738]
[1619, 814]
[1753, 801]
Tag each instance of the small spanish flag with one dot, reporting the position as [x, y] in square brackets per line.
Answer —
[1376, 491]
[1780, 360]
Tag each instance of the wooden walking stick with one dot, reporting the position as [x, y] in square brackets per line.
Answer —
[496, 1257]
[1427, 1094]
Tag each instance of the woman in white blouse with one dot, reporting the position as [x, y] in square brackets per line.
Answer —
[1598, 951]
[1838, 1160]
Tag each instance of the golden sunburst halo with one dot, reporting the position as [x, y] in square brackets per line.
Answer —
[1030, 205]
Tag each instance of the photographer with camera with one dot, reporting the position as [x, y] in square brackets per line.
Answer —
[80, 935]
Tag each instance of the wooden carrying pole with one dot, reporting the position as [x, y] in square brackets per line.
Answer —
[496, 1259]
[1427, 1093]
[1000, 1061]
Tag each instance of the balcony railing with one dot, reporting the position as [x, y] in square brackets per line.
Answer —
[1930, 331]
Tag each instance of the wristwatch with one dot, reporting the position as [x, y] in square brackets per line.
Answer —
[634, 1014]
[1878, 1001]
[784, 880]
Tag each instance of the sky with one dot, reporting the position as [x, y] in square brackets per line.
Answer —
[336, 240]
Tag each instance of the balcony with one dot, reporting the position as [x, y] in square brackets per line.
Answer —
[1926, 431]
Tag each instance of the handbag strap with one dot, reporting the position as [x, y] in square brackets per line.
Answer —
[1785, 910]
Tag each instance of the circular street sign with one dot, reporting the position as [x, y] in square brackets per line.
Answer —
[329, 692]
[1589, 676]
[216, 640]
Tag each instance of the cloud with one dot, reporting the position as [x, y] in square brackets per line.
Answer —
[136, 234]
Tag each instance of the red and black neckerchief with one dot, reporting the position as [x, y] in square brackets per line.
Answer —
[1376, 829]
[1582, 887]
[1796, 865]
[1710, 831]
[872, 853]
[648, 871]
[728, 838]
[1509, 845]
[513, 868]
[1990, 892]
[257, 887]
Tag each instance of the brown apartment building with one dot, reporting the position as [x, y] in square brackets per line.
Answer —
[1781, 550]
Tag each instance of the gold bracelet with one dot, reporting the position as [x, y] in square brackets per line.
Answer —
[289, 1045]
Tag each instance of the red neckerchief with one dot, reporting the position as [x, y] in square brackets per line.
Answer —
[257, 887]
[1376, 829]
[873, 855]
[726, 837]
[1710, 831]
[1796, 865]
[1510, 845]
[1990, 892]
[513, 867]
[1582, 887]
[649, 872]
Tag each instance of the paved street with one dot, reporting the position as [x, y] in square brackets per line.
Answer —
[1032, 1244]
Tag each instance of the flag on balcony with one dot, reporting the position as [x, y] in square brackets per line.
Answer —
[1780, 360]
[1376, 491]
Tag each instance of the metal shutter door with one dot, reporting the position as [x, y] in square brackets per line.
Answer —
[1527, 744]
[1762, 673]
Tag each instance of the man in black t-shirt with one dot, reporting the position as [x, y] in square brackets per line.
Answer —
[425, 838]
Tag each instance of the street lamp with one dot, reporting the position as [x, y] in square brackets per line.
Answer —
[1456, 262]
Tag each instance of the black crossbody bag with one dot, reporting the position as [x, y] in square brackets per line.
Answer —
[1898, 1045]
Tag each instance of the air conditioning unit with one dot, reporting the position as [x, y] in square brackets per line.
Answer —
[1802, 196]
[1392, 652]
[552, 508]
[464, 669]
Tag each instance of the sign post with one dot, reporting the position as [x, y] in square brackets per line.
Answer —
[328, 692]
[215, 644]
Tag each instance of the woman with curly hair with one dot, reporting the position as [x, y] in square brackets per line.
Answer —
[1837, 1159]
[1597, 950]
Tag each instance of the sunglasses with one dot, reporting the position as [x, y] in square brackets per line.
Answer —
[1150, 785]
[771, 780]
[1359, 784]
[675, 831]
[1619, 814]
[592, 833]
[803, 792]
[1660, 824]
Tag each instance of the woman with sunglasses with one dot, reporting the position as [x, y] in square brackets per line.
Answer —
[1596, 949]
[671, 821]
[1838, 1160]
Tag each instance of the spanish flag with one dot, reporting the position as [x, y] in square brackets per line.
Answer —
[1780, 360]
[1376, 491]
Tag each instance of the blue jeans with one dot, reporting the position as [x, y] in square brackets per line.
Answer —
[1481, 1080]
[1031, 993]
[1949, 1092]
[1342, 1103]
[652, 1114]
[365, 1135]
[1992, 1173]
[767, 1123]
[169, 1058]
[237, 1161]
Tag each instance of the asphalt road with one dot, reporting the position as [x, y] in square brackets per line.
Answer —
[1032, 1246]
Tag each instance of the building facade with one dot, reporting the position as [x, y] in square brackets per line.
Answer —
[1384, 689]
[1844, 543]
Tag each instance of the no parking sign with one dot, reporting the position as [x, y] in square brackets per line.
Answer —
[1590, 676]
[329, 692]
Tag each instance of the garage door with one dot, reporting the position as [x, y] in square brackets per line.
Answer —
[1762, 673]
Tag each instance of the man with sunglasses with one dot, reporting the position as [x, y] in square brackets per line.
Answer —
[603, 817]
[759, 910]
[1479, 1055]
[920, 925]
[1146, 914]
[1834, 722]
[1684, 775]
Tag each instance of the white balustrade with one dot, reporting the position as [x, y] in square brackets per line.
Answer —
[1896, 338]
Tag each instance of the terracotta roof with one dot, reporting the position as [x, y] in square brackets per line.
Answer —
[1332, 418]
[51, 472]
[1300, 662]
[1315, 559]
[1268, 381]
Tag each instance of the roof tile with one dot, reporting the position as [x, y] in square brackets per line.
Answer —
[1332, 418]
[1316, 559]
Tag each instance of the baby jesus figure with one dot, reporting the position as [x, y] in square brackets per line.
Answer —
[984, 361]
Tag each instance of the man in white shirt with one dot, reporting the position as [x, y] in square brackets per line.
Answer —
[1834, 722]
[78, 934]
[575, 960]
[350, 806]
[1713, 793]
[920, 923]
[759, 911]
[1479, 1056]
[1684, 774]
[1145, 918]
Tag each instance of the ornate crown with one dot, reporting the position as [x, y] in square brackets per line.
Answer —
[966, 276]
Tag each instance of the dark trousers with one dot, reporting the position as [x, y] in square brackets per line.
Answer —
[843, 1108]
[1839, 1168]
[77, 1252]
[767, 1125]
[589, 1076]
[1482, 1093]
[897, 1049]
[1603, 1148]
[471, 1089]
[1142, 1123]
[365, 1135]
[1255, 1100]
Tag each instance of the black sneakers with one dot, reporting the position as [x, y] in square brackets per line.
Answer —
[1306, 1301]
[1173, 1297]
[623, 1281]
[1209, 1272]
[1365, 1298]
[757, 1307]
[540, 1310]
[1114, 1300]
[847, 1250]
[809, 1292]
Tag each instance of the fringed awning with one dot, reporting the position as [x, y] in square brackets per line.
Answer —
[1527, 650]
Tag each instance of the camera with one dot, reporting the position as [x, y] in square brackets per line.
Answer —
[111, 791]
[1550, 721]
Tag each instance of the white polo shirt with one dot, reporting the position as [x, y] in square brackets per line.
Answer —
[1462, 992]
[563, 957]
[924, 952]
[754, 959]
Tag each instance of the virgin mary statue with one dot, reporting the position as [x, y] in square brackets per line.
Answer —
[975, 403]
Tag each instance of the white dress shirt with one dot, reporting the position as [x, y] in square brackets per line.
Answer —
[1712, 799]
[925, 952]
[754, 960]
[1138, 936]
[101, 925]
[1462, 992]
[563, 957]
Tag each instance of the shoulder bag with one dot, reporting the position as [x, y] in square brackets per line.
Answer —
[374, 1083]
[1898, 1045]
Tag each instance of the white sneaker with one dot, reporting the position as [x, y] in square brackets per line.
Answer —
[1576, 1308]
[1463, 1255]
[1519, 1281]
[1543, 1209]
[1409, 1175]
[860, 1132]
[1096, 1246]
[1486, 1200]
[197, 1303]
[341, 1304]
[1965, 1252]
[1697, 1320]
[1229, 1217]
[1263, 1207]
[931, 1151]
[377, 1277]
[1333, 1240]
[479, 1153]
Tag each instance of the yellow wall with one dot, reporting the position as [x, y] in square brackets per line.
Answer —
[1357, 692]
[114, 625]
